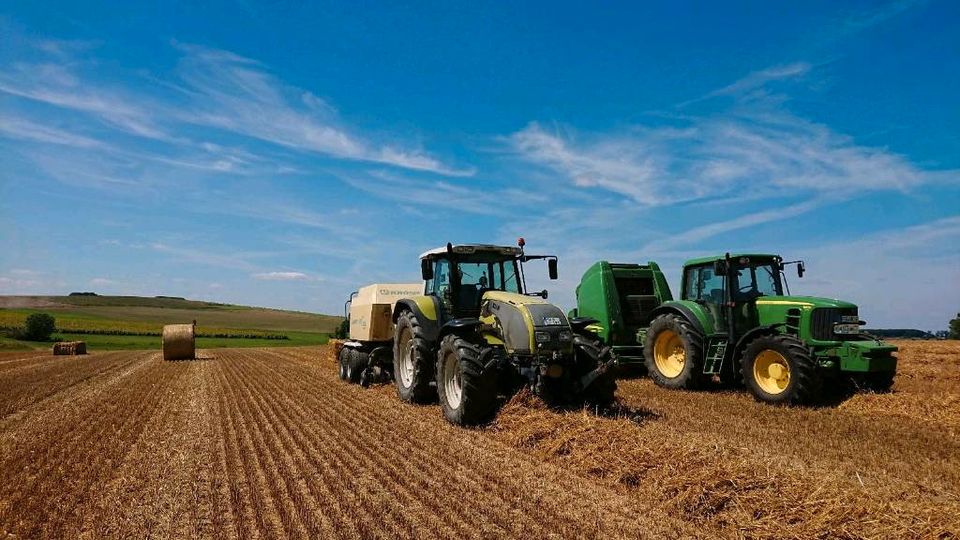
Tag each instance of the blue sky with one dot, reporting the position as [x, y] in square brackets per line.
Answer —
[282, 155]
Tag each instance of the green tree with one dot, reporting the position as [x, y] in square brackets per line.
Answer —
[39, 326]
[343, 331]
[955, 328]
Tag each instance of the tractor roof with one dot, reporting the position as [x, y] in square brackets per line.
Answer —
[706, 260]
[466, 249]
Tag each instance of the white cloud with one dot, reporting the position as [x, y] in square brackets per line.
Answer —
[21, 128]
[281, 276]
[456, 197]
[211, 88]
[763, 154]
[900, 278]
[56, 84]
[759, 78]
[238, 94]
[102, 281]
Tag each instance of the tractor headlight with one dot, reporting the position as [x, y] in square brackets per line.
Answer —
[542, 337]
[565, 335]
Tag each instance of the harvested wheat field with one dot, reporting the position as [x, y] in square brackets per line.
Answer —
[267, 443]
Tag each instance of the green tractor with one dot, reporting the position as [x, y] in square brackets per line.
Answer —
[477, 334]
[733, 322]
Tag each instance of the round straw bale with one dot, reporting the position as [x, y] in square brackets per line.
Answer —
[69, 348]
[178, 342]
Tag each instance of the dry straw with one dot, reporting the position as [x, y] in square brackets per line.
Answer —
[178, 342]
[69, 348]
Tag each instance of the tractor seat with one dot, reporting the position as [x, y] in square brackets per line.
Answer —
[468, 301]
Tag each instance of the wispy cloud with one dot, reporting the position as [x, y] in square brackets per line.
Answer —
[755, 148]
[458, 197]
[58, 85]
[281, 276]
[760, 78]
[21, 128]
[230, 92]
[211, 88]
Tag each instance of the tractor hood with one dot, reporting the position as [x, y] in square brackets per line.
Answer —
[520, 318]
[803, 302]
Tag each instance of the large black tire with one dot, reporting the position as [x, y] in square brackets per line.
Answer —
[357, 362]
[468, 394]
[589, 354]
[413, 361]
[778, 369]
[685, 371]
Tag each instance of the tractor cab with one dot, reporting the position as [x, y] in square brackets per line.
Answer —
[729, 287]
[460, 275]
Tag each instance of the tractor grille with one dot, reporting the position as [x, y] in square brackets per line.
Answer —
[823, 319]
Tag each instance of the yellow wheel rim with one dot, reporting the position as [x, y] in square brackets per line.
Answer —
[771, 371]
[669, 354]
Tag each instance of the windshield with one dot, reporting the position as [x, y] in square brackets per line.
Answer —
[755, 280]
[493, 275]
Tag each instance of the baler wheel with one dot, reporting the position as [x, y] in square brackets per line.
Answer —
[356, 363]
[342, 359]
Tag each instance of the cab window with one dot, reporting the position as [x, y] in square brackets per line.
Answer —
[703, 284]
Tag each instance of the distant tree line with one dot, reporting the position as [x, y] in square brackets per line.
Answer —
[83, 294]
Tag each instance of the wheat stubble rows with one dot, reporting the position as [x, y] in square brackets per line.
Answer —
[269, 444]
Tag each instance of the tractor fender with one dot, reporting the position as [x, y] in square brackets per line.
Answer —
[471, 325]
[459, 327]
[750, 336]
[426, 308]
[684, 311]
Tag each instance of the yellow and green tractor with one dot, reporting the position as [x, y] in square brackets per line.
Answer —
[475, 335]
[735, 321]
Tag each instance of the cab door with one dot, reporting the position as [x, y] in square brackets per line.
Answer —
[704, 286]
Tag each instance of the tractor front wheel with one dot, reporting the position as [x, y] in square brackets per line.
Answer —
[468, 394]
[673, 353]
[778, 369]
[412, 361]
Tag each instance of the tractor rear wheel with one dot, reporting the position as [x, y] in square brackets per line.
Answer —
[468, 394]
[412, 360]
[590, 354]
[778, 369]
[673, 353]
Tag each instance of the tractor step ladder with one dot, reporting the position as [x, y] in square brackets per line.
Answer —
[716, 352]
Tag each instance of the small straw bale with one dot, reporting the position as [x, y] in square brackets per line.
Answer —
[69, 348]
[179, 342]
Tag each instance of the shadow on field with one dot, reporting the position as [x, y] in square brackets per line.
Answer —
[198, 358]
[637, 415]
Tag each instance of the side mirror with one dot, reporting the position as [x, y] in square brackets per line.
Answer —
[543, 294]
[801, 269]
[552, 268]
[426, 269]
[720, 268]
